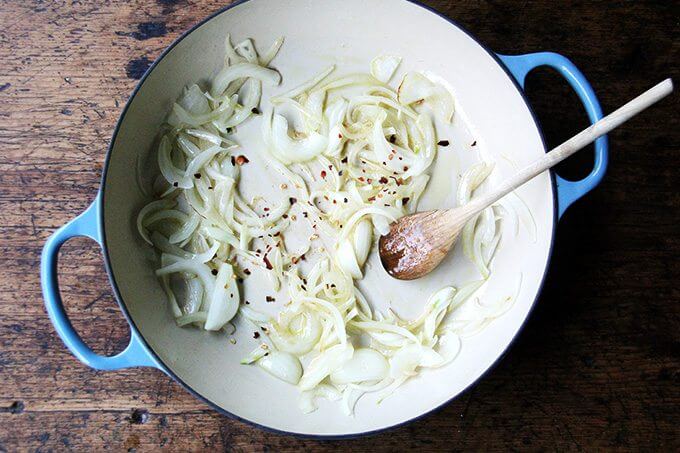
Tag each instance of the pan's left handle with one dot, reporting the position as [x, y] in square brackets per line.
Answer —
[86, 224]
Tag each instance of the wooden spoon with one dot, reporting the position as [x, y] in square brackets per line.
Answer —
[417, 243]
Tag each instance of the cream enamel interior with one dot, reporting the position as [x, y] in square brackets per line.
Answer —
[349, 33]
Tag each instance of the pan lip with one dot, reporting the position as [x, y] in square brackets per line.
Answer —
[165, 368]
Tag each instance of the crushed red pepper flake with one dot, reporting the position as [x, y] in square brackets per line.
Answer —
[233, 161]
[214, 271]
[399, 181]
[344, 160]
[443, 143]
[197, 175]
[474, 143]
[241, 160]
[267, 263]
[256, 334]
[292, 200]
[383, 180]
[323, 174]
[405, 200]
[270, 299]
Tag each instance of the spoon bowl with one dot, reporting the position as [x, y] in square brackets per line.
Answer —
[417, 243]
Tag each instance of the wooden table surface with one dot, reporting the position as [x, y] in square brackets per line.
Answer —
[597, 365]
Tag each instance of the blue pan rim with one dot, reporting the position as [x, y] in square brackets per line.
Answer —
[210, 403]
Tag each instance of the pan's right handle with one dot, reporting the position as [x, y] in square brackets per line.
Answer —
[86, 224]
[520, 65]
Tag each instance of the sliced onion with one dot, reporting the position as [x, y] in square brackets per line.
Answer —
[164, 245]
[240, 71]
[198, 317]
[194, 101]
[307, 401]
[192, 267]
[415, 87]
[224, 300]
[384, 67]
[365, 365]
[251, 99]
[298, 335]
[154, 206]
[172, 174]
[324, 364]
[187, 229]
[305, 86]
[272, 52]
[282, 365]
[290, 150]
[405, 361]
[362, 240]
[347, 260]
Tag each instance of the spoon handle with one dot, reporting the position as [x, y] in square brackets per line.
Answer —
[569, 147]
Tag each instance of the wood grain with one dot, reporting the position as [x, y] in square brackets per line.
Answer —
[597, 366]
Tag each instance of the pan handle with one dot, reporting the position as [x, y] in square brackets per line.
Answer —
[519, 66]
[86, 224]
